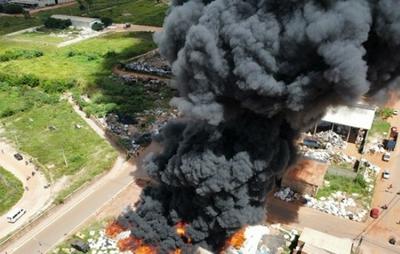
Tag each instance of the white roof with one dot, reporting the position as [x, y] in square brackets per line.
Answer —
[358, 116]
[326, 243]
[76, 18]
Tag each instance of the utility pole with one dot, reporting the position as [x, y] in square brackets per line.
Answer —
[65, 158]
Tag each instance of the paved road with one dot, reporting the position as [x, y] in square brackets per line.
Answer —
[35, 199]
[53, 230]
[79, 209]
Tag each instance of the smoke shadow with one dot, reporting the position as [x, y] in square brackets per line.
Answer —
[281, 212]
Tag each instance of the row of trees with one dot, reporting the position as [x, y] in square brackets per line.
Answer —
[11, 8]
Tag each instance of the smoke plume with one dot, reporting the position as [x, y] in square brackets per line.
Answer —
[252, 75]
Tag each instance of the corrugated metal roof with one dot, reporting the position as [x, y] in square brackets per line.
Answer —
[358, 116]
[326, 243]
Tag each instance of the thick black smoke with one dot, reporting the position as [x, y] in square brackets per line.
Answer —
[252, 75]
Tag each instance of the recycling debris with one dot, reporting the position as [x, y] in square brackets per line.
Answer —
[337, 204]
[163, 71]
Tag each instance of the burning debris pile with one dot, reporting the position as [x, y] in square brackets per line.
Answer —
[251, 76]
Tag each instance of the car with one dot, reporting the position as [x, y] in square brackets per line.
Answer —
[80, 246]
[18, 156]
[386, 156]
[311, 143]
[374, 213]
[15, 214]
[395, 112]
[385, 175]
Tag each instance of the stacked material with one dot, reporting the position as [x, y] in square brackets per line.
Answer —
[147, 68]
[286, 194]
[339, 205]
[331, 139]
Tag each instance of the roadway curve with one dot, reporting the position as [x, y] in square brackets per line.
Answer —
[35, 199]
[66, 218]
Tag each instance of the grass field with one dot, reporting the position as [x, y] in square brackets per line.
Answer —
[11, 190]
[82, 62]
[346, 185]
[379, 127]
[48, 129]
[142, 12]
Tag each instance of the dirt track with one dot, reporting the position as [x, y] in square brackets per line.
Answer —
[35, 199]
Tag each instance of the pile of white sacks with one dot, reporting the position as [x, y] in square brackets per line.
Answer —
[337, 204]
[100, 244]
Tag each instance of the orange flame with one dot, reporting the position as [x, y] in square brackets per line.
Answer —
[144, 249]
[177, 251]
[114, 229]
[181, 231]
[237, 239]
[130, 243]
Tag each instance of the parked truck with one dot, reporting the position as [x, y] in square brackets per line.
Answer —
[391, 143]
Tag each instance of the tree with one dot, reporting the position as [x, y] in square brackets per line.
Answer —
[57, 23]
[106, 21]
[12, 8]
[97, 26]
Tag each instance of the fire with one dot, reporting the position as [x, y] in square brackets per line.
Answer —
[237, 239]
[181, 231]
[177, 251]
[144, 249]
[114, 229]
[129, 243]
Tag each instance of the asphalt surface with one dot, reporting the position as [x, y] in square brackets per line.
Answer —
[54, 229]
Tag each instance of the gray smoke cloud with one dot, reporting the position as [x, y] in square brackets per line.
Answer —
[251, 76]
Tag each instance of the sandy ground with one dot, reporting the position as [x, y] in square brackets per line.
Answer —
[35, 199]
[386, 226]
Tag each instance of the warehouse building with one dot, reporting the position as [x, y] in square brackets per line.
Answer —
[305, 177]
[39, 3]
[78, 22]
[351, 122]
[312, 241]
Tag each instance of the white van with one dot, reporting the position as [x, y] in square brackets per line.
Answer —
[15, 214]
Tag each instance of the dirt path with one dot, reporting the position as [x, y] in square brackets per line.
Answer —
[51, 7]
[35, 199]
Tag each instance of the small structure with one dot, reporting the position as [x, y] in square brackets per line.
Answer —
[78, 22]
[305, 177]
[39, 3]
[312, 241]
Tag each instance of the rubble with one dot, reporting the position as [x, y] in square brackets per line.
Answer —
[331, 139]
[337, 204]
[286, 194]
[163, 71]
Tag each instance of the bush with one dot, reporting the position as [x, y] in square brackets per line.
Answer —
[57, 23]
[11, 8]
[385, 113]
[56, 86]
[20, 54]
[97, 26]
[106, 21]
[29, 80]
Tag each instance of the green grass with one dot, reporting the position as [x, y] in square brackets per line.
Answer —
[90, 58]
[379, 127]
[11, 190]
[47, 131]
[343, 184]
[141, 12]
[83, 234]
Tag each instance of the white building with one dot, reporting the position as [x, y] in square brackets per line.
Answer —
[78, 22]
[39, 3]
